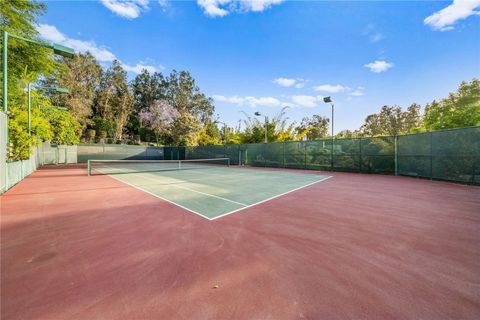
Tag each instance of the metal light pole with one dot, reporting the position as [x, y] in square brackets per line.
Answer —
[30, 87]
[29, 109]
[4, 70]
[57, 49]
[258, 114]
[329, 100]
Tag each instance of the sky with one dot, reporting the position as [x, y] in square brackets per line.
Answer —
[265, 55]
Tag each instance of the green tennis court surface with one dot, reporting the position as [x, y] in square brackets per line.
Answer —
[210, 190]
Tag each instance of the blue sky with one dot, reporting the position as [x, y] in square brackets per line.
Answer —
[262, 55]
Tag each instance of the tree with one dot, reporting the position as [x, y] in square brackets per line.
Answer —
[81, 75]
[114, 100]
[313, 128]
[412, 118]
[183, 93]
[392, 121]
[185, 131]
[194, 107]
[20, 18]
[65, 128]
[146, 88]
[277, 129]
[348, 134]
[159, 117]
[460, 109]
[211, 135]
[123, 107]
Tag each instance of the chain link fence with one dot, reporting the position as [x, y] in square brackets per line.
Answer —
[3, 152]
[452, 155]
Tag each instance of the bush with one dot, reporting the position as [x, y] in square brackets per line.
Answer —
[108, 126]
[65, 127]
[102, 134]
[90, 134]
[21, 142]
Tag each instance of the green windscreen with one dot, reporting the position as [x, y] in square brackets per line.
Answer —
[446, 155]
[374, 155]
[125, 152]
[3, 152]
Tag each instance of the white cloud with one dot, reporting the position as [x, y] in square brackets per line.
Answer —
[249, 100]
[52, 34]
[257, 5]
[306, 101]
[372, 33]
[212, 7]
[232, 100]
[376, 37]
[163, 3]
[288, 82]
[263, 101]
[330, 88]
[444, 19]
[221, 8]
[357, 92]
[138, 68]
[379, 66]
[129, 9]
[285, 82]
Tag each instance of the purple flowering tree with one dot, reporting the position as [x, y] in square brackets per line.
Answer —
[159, 117]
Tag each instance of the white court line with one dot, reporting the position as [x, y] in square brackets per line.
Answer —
[193, 190]
[157, 196]
[189, 189]
[222, 215]
[271, 198]
[211, 195]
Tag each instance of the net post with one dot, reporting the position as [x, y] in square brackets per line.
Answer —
[228, 162]
[88, 167]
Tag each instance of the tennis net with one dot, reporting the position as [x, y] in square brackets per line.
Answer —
[97, 167]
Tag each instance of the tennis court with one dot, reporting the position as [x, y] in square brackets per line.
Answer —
[210, 188]
[352, 246]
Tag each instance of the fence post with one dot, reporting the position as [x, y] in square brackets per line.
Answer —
[360, 156]
[305, 154]
[431, 156]
[331, 153]
[396, 155]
